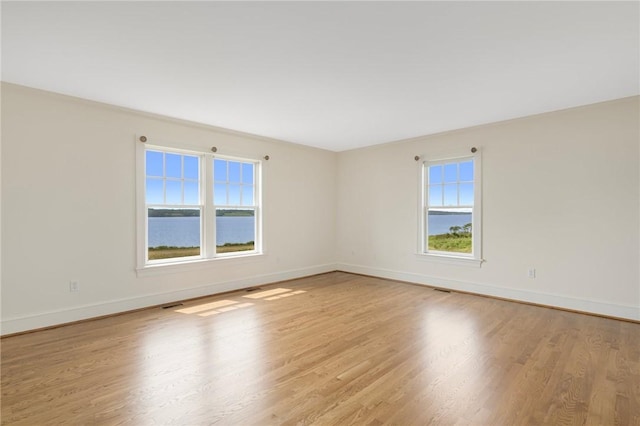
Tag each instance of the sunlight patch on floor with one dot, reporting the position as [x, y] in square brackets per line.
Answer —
[225, 309]
[221, 306]
[206, 306]
[280, 296]
[267, 293]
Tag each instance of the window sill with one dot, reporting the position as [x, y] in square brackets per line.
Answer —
[192, 265]
[451, 260]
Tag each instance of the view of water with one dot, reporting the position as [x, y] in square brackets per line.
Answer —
[185, 231]
[440, 223]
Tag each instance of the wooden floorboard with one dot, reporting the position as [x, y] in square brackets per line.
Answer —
[333, 349]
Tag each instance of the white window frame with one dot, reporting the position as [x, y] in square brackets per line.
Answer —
[200, 206]
[256, 207]
[207, 206]
[468, 259]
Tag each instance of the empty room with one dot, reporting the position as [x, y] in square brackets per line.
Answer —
[323, 213]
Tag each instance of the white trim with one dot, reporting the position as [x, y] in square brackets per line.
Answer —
[256, 206]
[422, 195]
[207, 206]
[548, 299]
[450, 259]
[477, 208]
[194, 263]
[476, 252]
[141, 216]
[209, 220]
[62, 316]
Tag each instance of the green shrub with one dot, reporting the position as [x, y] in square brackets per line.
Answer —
[457, 243]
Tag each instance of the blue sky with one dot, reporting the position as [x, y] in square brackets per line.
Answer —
[174, 179]
[451, 185]
[233, 183]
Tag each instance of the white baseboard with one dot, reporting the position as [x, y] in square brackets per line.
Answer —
[553, 300]
[53, 318]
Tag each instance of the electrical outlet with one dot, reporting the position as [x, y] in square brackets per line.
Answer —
[73, 286]
[531, 273]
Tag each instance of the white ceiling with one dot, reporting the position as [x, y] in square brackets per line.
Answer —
[335, 75]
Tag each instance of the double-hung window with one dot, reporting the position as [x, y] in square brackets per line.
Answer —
[174, 207]
[196, 206]
[234, 198]
[450, 211]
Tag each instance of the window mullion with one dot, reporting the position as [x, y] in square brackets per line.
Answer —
[182, 187]
[240, 186]
[209, 225]
[164, 178]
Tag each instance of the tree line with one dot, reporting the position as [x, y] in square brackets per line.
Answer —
[196, 213]
[460, 230]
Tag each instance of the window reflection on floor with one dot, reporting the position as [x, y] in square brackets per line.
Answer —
[276, 293]
[454, 355]
[226, 305]
[171, 367]
[206, 307]
[196, 369]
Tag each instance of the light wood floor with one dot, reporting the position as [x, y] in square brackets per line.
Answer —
[333, 349]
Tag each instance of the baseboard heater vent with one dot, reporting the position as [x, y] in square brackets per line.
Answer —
[253, 289]
[172, 306]
[444, 290]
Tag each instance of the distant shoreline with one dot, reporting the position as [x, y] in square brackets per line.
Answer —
[196, 213]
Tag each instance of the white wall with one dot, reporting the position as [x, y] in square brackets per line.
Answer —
[68, 211]
[561, 194]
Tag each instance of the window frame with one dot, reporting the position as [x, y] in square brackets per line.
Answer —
[256, 206]
[207, 207]
[199, 206]
[475, 257]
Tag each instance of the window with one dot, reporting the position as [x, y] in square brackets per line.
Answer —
[173, 205]
[196, 206]
[235, 204]
[450, 207]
